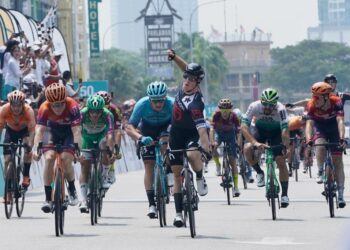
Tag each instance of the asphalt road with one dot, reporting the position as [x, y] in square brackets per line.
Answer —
[246, 224]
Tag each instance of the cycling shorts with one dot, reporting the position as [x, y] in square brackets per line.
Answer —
[60, 135]
[328, 131]
[272, 137]
[230, 139]
[14, 136]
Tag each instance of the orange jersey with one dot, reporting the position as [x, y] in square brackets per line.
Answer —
[295, 123]
[17, 123]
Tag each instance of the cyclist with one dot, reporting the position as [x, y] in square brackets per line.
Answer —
[153, 114]
[271, 125]
[59, 119]
[19, 121]
[117, 132]
[97, 127]
[188, 127]
[331, 79]
[326, 119]
[225, 125]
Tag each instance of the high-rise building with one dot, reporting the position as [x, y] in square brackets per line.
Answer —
[334, 22]
[130, 36]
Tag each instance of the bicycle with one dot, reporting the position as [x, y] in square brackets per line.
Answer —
[272, 183]
[190, 195]
[96, 192]
[329, 182]
[13, 191]
[295, 143]
[160, 182]
[243, 167]
[60, 199]
[226, 174]
[308, 163]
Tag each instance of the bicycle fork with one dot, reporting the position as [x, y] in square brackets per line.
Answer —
[272, 194]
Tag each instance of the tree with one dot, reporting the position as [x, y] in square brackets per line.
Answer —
[296, 68]
[207, 54]
[124, 70]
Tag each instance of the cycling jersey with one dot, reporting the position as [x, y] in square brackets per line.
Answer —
[278, 119]
[343, 96]
[188, 111]
[69, 117]
[225, 125]
[17, 123]
[325, 116]
[95, 132]
[143, 112]
[117, 115]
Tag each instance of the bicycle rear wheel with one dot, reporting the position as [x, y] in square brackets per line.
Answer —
[20, 194]
[9, 191]
[272, 192]
[58, 204]
[189, 201]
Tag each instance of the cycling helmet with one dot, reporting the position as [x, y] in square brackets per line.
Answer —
[157, 90]
[194, 69]
[225, 104]
[16, 97]
[269, 95]
[95, 102]
[321, 88]
[106, 96]
[56, 92]
[330, 78]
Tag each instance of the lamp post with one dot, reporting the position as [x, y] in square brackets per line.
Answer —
[103, 41]
[190, 23]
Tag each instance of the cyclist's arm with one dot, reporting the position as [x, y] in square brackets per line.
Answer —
[247, 135]
[39, 134]
[181, 63]
[341, 127]
[212, 135]
[76, 130]
[285, 137]
[118, 136]
[132, 132]
[203, 138]
[301, 103]
[308, 130]
[110, 141]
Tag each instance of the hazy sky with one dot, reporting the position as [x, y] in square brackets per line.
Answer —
[286, 20]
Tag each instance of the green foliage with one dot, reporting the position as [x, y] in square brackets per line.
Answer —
[207, 54]
[296, 68]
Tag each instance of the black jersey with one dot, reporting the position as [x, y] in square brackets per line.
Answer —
[188, 111]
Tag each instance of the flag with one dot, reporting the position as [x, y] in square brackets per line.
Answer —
[259, 30]
[215, 32]
[47, 25]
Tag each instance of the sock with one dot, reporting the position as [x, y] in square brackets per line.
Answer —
[83, 190]
[258, 169]
[178, 202]
[48, 191]
[150, 197]
[26, 169]
[199, 174]
[235, 180]
[284, 185]
[216, 160]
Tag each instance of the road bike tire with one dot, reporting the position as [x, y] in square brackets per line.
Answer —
[101, 193]
[272, 192]
[21, 194]
[189, 201]
[243, 170]
[296, 167]
[93, 197]
[310, 174]
[9, 190]
[159, 199]
[227, 180]
[330, 197]
[58, 204]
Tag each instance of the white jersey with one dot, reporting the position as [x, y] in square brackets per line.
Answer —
[278, 119]
[297, 111]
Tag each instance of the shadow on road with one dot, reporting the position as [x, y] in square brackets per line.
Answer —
[118, 218]
[282, 219]
[76, 235]
[205, 237]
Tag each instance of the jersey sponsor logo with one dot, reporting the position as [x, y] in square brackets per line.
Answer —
[177, 112]
[283, 115]
[187, 100]
[197, 114]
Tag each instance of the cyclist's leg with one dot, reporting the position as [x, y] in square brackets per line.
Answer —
[216, 153]
[320, 137]
[27, 160]
[292, 135]
[84, 174]
[49, 157]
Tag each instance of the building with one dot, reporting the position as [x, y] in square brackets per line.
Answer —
[36, 9]
[248, 61]
[131, 36]
[334, 22]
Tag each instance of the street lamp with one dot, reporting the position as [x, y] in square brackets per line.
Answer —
[104, 37]
[190, 24]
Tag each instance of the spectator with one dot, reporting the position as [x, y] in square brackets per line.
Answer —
[54, 73]
[67, 81]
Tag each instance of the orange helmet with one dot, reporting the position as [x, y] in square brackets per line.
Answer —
[321, 88]
[56, 92]
[16, 96]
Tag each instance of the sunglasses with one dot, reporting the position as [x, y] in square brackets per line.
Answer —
[268, 105]
[95, 111]
[157, 100]
[57, 105]
[16, 104]
[225, 110]
[190, 78]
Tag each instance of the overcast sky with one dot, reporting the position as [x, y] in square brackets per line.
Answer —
[286, 20]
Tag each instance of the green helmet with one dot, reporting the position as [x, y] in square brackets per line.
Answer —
[95, 102]
[269, 96]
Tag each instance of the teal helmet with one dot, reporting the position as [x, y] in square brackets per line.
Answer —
[95, 102]
[157, 90]
[269, 96]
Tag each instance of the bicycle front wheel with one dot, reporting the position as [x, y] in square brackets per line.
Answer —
[9, 190]
[272, 192]
[58, 204]
[20, 194]
[330, 197]
[189, 203]
[160, 198]
[93, 197]
[227, 180]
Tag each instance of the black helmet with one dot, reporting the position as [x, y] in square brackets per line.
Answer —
[330, 78]
[194, 69]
